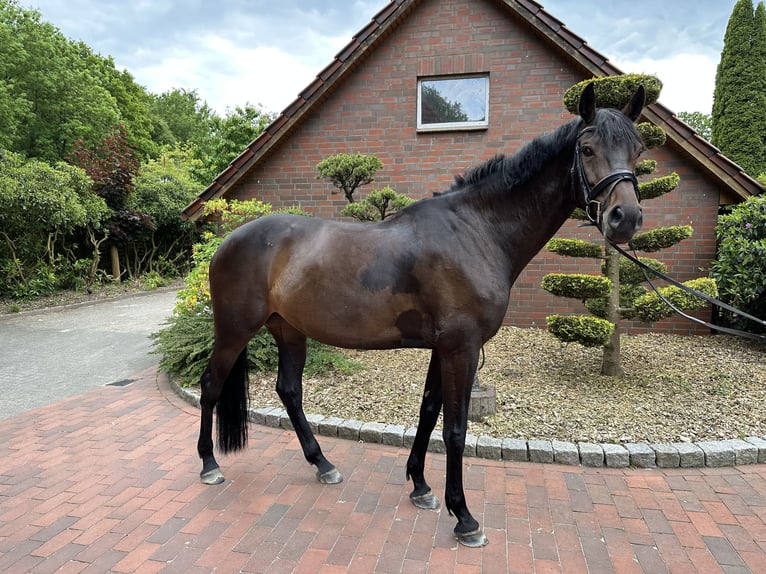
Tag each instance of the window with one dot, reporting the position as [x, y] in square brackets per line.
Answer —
[450, 103]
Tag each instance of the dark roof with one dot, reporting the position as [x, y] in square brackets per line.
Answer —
[542, 23]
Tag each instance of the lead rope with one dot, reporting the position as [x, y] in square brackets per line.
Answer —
[712, 300]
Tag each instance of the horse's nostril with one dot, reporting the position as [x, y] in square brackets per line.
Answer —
[616, 216]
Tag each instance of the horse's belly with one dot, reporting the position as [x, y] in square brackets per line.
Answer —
[362, 325]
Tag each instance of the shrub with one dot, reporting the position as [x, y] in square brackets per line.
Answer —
[650, 308]
[378, 205]
[577, 285]
[588, 331]
[658, 186]
[614, 91]
[575, 248]
[660, 238]
[740, 269]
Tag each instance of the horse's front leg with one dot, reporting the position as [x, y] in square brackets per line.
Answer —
[458, 371]
[431, 405]
[292, 359]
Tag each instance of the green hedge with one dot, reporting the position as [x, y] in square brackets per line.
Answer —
[661, 238]
[575, 248]
[576, 285]
[631, 274]
[645, 167]
[658, 186]
[588, 331]
[650, 308]
[614, 91]
[652, 136]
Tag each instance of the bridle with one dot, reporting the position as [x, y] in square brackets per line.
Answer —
[592, 207]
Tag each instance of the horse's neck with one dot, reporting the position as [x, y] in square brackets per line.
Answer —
[526, 217]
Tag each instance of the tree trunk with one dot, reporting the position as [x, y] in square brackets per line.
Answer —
[611, 364]
[115, 254]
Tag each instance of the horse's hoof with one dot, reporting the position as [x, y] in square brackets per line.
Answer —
[426, 501]
[212, 476]
[474, 539]
[332, 476]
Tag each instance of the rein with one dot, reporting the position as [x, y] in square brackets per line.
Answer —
[590, 193]
[644, 267]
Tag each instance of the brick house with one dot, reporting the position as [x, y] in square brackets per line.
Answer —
[367, 101]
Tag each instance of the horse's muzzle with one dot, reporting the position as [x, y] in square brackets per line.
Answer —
[621, 223]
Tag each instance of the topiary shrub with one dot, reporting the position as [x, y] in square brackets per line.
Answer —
[652, 136]
[658, 186]
[650, 308]
[588, 331]
[574, 248]
[660, 238]
[378, 205]
[576, 285]
[614, 91]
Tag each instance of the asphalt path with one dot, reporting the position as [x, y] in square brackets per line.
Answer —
[55, 353]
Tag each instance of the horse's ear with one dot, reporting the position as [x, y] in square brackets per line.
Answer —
[587, 107]
[636, 104]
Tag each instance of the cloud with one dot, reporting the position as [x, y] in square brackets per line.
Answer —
[688, 79]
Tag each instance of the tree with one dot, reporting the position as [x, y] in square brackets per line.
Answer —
[617, 294]
[378, 205]
[163, 188]
[701, 123]
[112, 167]
[349, 171]
[180, 117]
[42, 210]
[739, 99]
[225, 140]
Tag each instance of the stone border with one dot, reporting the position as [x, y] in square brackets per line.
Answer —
[732, 452]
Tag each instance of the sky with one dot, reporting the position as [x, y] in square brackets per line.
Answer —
[265, 52]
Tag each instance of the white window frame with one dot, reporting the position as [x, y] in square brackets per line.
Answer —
[462, 125]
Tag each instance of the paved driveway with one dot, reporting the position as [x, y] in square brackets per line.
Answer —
[52, 354]
[107, 481]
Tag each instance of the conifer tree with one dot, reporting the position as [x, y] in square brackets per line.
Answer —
[739, 100]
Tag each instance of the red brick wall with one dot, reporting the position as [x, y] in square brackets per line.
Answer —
[374, 112]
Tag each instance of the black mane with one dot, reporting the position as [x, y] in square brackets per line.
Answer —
[611, 125]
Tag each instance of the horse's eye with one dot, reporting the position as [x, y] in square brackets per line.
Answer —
[586, 151]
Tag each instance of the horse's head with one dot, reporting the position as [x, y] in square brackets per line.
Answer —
[605, 158]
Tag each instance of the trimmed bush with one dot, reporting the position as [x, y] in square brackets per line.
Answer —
[614, 91]
[588, 331]
[575, 248]
[630, 273]
[652, 136]
[650, 308]
[645, 167]
[658, 186]
[576, 285]
[661, 238]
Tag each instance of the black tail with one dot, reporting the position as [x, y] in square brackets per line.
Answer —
[232, 406]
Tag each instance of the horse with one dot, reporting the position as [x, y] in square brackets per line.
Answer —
[436, 275]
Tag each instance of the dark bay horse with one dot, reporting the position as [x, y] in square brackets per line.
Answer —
[436, 275]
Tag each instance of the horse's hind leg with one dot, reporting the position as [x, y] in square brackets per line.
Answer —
[421, 495]
[227, 368]
[292, 359]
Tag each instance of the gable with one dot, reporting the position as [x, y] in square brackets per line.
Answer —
[530, 56]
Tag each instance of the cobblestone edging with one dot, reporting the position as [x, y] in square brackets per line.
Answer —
[732, 452]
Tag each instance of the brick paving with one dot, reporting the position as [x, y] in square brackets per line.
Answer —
[107, 482]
